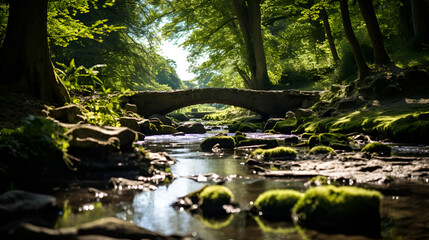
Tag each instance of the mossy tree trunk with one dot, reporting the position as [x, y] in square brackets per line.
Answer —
[249, 17]
[325, 19]
[363, 68]
[381, 58]
[25, 63]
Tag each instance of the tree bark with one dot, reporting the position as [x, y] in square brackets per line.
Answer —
[328, 32]
[249, 18]
[405, 17]
[381, 58]
[25, 63]
[363, 68]
[420, 20]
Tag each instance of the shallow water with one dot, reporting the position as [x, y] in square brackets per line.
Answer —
[405, 212]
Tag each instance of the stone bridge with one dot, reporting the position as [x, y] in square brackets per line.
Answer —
[271, 102]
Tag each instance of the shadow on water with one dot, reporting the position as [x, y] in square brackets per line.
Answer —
[404, 215]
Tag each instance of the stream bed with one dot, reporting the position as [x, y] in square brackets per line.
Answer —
[404, 211]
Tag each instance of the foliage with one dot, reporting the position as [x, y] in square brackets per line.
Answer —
[321, 150]
[342, 207]
[80, 80]
[276, 203]
[275, 153]
[39, 148]
[378, 148]
[223, 141]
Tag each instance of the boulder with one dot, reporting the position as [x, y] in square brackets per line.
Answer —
[191, 128]
[130, 122]
[164, 119]
[303, 113]
[129, 107]
[18, 206]
[271, 122]
[276, 203]
[291, 140]
[68, 114]
[90, 137]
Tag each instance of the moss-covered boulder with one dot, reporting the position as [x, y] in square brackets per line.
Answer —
[276, 203]
[239, 136]
[328, 139]
[318, 181]
[212, 198]
[278, 153]
[321, 150]
[340, 209]
[269, 143]
[377, 148]
[225, 142]
[286, 126]
[245, 127]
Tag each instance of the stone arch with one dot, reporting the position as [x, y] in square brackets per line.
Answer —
[273, 102]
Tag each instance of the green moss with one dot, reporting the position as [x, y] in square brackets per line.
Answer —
[319, 180]
[224, 142]
[328, 139]
[285, 126]
[321, 150]
[276, 203]
[239, 136]
[339, 208]
[401, 124]
[379, 148]
[245, 127]
[276, 153]
[270, 143]
[212, 198]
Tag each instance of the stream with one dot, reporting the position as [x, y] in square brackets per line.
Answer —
[404, 212]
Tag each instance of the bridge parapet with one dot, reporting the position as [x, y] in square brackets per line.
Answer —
[265, 102]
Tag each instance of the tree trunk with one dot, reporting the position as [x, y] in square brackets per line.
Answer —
[249, 18]
[328, 32]
[405, 17]
[381, 58]
[354, 43]
[420, 19]
[25, 63]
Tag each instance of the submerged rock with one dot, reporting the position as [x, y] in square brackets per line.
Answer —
[105, 229]
[16, 206]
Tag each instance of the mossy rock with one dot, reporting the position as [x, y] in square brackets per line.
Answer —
[239, 136]
[225, 142]
[328, 139]
[284, 153]
[270, 143]
[276, 203]
[212, 198]
[378, 148]
[318, 181]
[245, 127]
[286, 126]
[321, 150]
[340, 209]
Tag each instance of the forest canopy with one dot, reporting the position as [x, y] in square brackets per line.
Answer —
[257, 44]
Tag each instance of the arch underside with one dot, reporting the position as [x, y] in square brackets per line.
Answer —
[262, 102]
